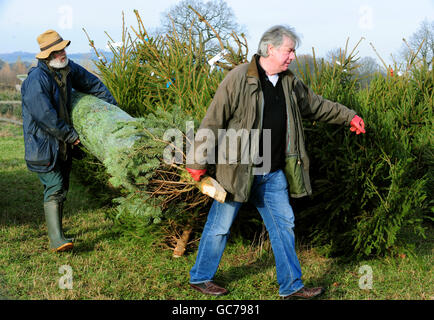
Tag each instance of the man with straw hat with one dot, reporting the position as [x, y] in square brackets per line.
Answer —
[49, 136]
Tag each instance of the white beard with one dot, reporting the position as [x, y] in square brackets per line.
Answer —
[57, 64]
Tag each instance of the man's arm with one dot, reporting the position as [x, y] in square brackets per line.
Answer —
[217, 116]
[86, 82]
[38, 104]
[315, 107]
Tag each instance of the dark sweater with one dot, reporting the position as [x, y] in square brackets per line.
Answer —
[274, 118]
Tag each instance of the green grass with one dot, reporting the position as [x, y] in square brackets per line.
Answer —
[106, 265]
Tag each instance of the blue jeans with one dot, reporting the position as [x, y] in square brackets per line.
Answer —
[270, 196]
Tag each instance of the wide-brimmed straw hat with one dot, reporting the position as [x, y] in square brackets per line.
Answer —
[50, 41]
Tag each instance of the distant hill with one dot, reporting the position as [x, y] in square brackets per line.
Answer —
[30, 57]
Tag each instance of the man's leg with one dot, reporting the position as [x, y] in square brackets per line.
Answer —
[56, 183]
[270, 196]
[213, 241]
[65, 171]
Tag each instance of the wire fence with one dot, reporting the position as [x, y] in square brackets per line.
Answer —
[17, 122]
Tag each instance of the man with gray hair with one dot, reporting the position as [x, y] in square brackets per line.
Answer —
[264, 95]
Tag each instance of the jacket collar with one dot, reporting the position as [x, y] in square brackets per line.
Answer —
[253, 73]
[56, 73]
[43, 65]
[252, 70]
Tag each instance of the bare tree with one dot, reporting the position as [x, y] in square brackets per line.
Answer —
[19, 67]
[368, 65]
[367, 68]
[425, 50]
[217, 12]
[303, 65]
[7, 76]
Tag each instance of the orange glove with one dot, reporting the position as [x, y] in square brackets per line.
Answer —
[196, 173]
[357, 125]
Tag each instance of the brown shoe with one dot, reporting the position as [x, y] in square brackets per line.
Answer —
[209, 288]
[305, 293]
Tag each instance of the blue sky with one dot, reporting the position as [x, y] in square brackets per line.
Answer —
[325, 25]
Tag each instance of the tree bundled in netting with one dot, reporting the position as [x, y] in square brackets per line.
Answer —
[132, 152]
[160, 84]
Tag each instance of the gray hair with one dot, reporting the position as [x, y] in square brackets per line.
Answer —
[274, 36]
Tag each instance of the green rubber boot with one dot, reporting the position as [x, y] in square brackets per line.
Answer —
[61, 223]
[53, 219]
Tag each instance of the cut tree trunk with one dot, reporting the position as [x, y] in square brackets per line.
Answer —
[131, 151]
[181, 243]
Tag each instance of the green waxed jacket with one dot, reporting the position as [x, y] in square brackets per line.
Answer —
[238, 104]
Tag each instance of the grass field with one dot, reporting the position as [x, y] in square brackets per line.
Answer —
[105, 265]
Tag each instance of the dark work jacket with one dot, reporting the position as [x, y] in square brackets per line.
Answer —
[238, 104]
[42, 126]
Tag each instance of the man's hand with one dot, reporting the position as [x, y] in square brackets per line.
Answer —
[76, 142]
[357, 125]
[196, 174]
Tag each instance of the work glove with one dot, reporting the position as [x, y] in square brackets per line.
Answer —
[357, 125]
[196, 173]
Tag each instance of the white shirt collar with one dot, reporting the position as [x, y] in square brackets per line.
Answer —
[273, 79]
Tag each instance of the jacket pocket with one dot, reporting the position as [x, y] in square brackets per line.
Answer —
[234, 178]
[294, 175]
[38, 151]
